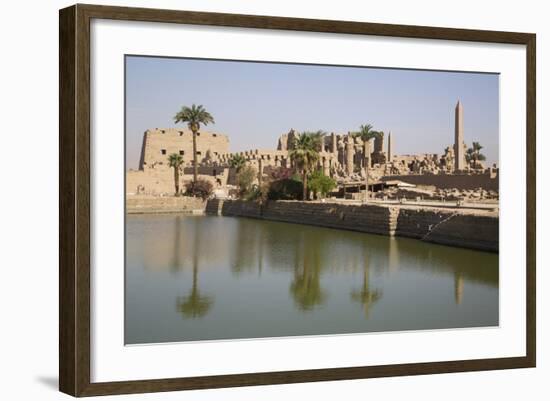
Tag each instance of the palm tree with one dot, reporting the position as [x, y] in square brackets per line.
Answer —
[237, 162]
[317, 137]
[175, 161]
[366, 133]
[473, 154]
[305, 154]
[194, 116]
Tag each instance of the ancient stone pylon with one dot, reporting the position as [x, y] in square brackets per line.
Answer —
[460, 160]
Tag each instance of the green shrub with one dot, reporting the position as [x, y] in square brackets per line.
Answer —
[254, 194]
[320, 184]
[245, 179]
[285, 189]
[201, 188]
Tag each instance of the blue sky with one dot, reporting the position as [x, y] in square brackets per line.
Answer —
[254, 103]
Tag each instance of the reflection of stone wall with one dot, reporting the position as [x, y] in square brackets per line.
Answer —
[447, 181]
[444, 227]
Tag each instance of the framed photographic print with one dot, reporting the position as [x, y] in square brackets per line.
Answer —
[250, 200]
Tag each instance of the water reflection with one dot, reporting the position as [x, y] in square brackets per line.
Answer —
[459, 287]
[194, 305]
[306, 285]
[366, 296]
[201, 277]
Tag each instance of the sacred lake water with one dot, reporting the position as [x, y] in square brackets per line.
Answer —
[194, 278]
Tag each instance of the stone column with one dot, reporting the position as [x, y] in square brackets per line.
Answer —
[334, 147]
[460, 159]
[379, 144]
[350, 152]
[326, 170]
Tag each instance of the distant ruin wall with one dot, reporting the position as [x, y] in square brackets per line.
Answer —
[159, 204]
[447, 181]
[160, 143]
[443, 227]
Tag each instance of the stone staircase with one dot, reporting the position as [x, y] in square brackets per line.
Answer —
[214, 207]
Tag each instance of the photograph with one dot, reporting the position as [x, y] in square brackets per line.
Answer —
[270, 199]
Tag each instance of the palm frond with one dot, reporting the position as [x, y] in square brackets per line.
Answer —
[194, 115]
[175, 160]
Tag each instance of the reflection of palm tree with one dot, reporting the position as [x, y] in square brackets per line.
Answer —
[195, 304]
[307, 291]
[246, 247]
[459, 287]
[176, 263]
[306, 286]
[365, 295]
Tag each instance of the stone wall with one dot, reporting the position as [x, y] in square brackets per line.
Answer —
[447, 181]
[450, 228]
[159, 180]
[456, 228]
[366, 218]
[164, 204]
[241, 209]
[151, 181]
[214, 207]
[159, 143]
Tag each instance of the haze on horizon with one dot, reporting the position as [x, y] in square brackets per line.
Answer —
[254, 103]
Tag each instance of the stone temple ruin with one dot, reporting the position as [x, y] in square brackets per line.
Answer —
[341, 157]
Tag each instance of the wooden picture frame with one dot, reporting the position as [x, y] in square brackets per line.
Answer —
[74, 199]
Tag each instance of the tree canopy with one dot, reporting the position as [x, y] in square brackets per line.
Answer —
[194, 116]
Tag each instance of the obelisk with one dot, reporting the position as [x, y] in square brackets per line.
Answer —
[460, 160]
[389, 148]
